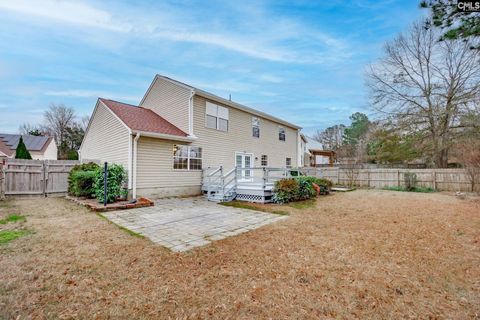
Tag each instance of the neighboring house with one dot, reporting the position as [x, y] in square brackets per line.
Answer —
[178, 130]
[304, 155]
[40, 147]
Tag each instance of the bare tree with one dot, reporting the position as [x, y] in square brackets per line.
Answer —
[427, 86]
[83, 123]
[58, 118]
[470, 158]
[331, 138]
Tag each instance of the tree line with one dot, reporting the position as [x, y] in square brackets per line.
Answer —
[425, 91]
[61, 123]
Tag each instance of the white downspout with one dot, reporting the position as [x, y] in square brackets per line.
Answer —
[134, 178]
[190, 114]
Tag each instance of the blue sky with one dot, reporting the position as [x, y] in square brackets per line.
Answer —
[301, 60]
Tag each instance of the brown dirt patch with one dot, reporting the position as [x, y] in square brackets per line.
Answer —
[360, 254]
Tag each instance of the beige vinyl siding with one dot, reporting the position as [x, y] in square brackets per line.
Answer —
[155, 166]
[219, 147]
[50, 152]
[107, 139]
[170, 101]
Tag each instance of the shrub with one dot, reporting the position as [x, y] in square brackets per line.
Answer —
[81, 180]
[116, 178]
[285, 190]
[82, 184]
[299, 188]
[72, 155]
[305, 188]
[324, 184]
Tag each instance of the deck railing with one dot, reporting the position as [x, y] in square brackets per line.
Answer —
[259, 176]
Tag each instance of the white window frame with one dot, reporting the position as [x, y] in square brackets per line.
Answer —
[255, 124]
[246, 174]
[280, 131]
[287, 162]
[188, 157]
[219, 113]
[262, 160]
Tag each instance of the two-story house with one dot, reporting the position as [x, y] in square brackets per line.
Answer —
[178, 130]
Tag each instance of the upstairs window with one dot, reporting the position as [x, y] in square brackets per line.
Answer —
[264, 160]
[288, 162]
[255, 127]
[216, 117]
[187, 158]
[281, 134]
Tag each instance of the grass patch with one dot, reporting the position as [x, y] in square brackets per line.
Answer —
[305, 204]
[13, 218]
[9, 235]
[416, 189]
[248, 206]
[130, 232]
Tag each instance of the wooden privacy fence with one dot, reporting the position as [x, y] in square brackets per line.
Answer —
[35, 177]
[439, 179]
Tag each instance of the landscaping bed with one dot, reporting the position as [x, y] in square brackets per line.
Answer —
[94, 205]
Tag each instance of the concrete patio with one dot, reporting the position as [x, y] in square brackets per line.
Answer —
[181, 224]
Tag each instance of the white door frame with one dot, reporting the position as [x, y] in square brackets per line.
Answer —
[243, 176]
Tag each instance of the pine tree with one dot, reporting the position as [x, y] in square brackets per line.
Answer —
[22, 152]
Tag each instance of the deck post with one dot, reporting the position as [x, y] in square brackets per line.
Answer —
[222, 180]
[236, 176]
[264, 185]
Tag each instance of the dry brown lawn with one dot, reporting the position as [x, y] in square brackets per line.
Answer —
[363, 254]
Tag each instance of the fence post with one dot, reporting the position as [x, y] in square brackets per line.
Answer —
[2, 182]
[434, 179]
[368, 178]
[45, 174]
[398, 178]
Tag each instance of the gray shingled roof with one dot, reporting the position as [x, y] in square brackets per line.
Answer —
[33, 143]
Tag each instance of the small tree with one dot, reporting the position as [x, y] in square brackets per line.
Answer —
[22, 152]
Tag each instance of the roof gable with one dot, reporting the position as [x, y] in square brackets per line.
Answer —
[224, 101]
[9, 143]
[142, 119]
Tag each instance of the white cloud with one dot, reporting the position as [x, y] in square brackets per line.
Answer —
[91, 94]
[65, 11]
[270, 78]
[263, 38]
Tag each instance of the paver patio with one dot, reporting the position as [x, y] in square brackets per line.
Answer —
[181, 224]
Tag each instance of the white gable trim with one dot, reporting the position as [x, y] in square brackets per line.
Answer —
[129, 169]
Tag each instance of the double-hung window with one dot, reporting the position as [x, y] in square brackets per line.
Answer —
[216, 117]
[264, 160]
[281, 134]
[288, 162]
[187, 157]
[255, 127]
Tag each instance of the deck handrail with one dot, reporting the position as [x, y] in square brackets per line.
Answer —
[225, 184]
[214, 172]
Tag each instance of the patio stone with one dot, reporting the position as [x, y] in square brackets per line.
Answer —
[181, 224]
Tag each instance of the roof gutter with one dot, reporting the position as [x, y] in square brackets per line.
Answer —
[166, 136]
[238, 106]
